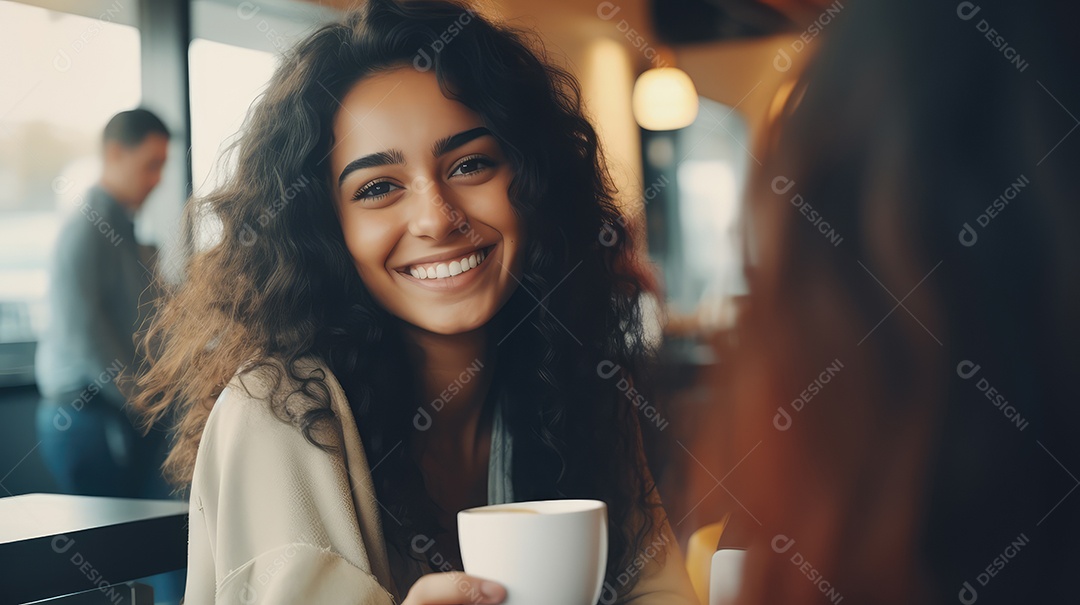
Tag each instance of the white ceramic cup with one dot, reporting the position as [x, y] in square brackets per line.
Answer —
[544, 552]
[725, 575]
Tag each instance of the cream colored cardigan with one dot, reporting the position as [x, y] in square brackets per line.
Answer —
[275, 520]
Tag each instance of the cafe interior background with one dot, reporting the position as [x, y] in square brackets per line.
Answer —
[681, 91]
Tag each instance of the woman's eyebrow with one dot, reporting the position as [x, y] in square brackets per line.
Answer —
[395, 156]
[452, 142]
[382, 158]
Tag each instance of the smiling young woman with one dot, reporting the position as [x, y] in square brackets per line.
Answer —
[413, 215]
[420, 270]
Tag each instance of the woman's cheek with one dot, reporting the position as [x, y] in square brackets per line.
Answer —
[363, 241]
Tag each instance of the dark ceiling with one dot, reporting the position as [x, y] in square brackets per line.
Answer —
[696, 21]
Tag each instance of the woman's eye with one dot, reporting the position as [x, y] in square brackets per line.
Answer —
[471, 166]
[374, 190]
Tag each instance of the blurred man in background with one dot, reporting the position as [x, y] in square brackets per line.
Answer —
[96, 283]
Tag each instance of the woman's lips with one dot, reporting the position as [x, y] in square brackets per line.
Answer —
[447, 267]
[452, 279]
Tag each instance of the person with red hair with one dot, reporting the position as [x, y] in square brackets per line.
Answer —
[903, 423]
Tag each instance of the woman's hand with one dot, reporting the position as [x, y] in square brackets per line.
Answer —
[454, 588]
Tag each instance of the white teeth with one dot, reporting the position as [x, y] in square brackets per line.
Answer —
[443, 270]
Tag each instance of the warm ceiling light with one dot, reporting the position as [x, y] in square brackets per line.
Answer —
[664, 99]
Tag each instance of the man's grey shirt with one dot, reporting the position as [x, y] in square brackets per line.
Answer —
[95, 284]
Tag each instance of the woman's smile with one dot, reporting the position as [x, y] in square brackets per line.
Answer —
[450, 271]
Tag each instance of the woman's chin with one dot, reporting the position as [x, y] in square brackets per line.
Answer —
[450, 325]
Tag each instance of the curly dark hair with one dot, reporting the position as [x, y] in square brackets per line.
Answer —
[280, 285]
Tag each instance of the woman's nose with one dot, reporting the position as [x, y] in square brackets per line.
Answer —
[432, 214]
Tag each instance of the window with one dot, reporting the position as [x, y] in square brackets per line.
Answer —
[236, 48]
[695, 179]
[225, 80]
[72, 74]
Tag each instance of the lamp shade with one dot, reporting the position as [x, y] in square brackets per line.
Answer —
[664, 99]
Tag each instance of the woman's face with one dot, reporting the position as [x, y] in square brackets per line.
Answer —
[421, 189]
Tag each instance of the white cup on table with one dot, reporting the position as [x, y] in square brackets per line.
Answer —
[543, 552]
[725, 575]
